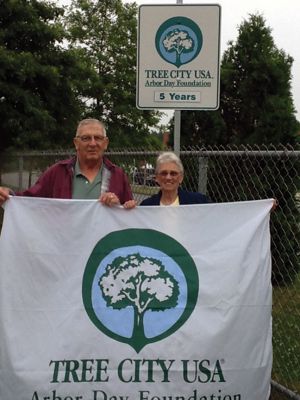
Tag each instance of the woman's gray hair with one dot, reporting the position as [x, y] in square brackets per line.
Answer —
[89, 121]
[167, 157]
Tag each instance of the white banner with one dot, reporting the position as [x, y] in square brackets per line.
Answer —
[156, 303]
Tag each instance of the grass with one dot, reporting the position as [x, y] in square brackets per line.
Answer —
[286, 336]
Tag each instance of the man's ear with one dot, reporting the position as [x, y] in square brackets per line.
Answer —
[107, 143]
[75, 143]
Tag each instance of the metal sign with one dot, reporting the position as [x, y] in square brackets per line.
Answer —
[179, 57]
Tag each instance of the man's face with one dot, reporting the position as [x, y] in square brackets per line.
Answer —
[90, 143]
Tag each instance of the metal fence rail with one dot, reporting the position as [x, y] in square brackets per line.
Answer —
[224, 174]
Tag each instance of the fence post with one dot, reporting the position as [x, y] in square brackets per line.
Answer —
[21, 166]
[202, 169]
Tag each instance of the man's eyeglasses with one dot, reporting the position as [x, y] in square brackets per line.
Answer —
[173, 174]
[89, 138]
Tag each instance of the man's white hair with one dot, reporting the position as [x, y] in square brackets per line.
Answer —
[88, 121]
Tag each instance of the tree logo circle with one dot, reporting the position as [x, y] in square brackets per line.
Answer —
[139, 286]
[178, 40]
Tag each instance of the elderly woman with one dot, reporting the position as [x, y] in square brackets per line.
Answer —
[169, 175]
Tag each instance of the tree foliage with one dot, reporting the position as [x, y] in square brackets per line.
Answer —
[57, 68]
[106, 33]
[256, 104]
[38, 104]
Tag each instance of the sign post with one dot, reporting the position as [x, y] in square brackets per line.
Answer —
[177, 121]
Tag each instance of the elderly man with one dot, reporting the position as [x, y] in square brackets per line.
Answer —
[89, 175]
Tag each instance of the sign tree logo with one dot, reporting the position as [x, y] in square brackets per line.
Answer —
[178, 40]
[139, 286]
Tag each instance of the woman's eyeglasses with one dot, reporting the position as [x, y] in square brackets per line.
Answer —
[164, 174]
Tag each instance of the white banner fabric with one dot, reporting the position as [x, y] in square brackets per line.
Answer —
[156, 303]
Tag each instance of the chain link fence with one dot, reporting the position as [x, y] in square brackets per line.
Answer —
[224, 174]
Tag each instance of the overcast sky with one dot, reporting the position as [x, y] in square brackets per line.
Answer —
[281, 16]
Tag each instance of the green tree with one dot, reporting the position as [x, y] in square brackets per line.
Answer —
[105, 32]
[256, 104]
[38, 103]
[202, 128]
[256, 99]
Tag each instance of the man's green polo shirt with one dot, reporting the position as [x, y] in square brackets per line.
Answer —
[82, 188]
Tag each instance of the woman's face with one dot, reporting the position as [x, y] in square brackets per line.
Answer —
[169, 176]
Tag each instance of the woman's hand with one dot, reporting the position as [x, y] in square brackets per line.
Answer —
[130, 204]
[275, 204]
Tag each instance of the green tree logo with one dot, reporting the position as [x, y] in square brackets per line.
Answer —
[179, 40]
[141, 283]
[139, 286]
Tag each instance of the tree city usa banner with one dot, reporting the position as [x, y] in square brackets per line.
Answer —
[156, 303]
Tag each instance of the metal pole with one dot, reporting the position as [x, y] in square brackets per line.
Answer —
[288, 393]
[177, 123]
[177, 120]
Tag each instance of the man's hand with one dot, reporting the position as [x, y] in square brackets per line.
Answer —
[4, 194]
[109, 199]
